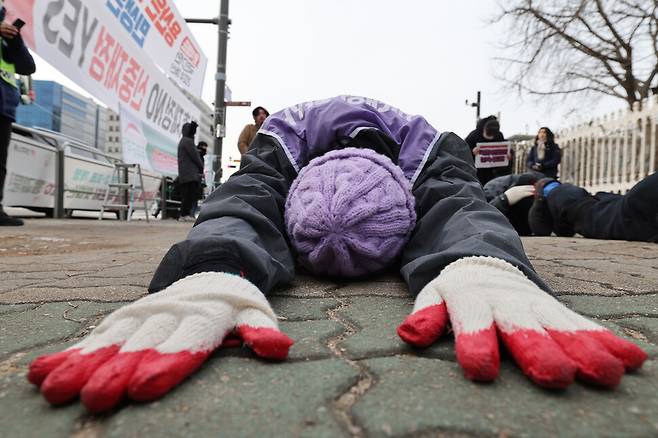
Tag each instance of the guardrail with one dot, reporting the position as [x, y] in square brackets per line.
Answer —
[610, 153]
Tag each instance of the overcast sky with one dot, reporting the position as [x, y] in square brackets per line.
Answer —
[422, 56]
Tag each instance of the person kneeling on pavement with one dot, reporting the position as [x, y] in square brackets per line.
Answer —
[347, 187]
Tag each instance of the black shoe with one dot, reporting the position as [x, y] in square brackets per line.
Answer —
[539, 219]
[8, 221]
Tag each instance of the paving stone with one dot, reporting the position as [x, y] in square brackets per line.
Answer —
[378, 319]
[606, 307]
[647, 326]
[242, 397]
[305, 287]
[415, 395]
[374, 288]
[101, 293]
[302, 308]
[310, 338]
[24, 413]
[14, 308]
[47, 323]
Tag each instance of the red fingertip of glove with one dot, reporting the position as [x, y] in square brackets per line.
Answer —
[108, 384]
[158, 373]
[44, 365]
[630, 354]
[540, 358]
[424, 327]
[64, 383]
[266, 342]
[477, 353]
[595, 364]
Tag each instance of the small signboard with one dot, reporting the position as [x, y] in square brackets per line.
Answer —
[492, 154]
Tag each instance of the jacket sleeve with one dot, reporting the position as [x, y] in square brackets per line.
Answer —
[554, 159]
[530, 159]
[243, 140]
[454, 219]
[501, 203]
[241, 228]
[193, 153]
[20, 56]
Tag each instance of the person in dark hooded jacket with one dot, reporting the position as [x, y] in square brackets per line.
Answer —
[14, 59]
[190, 171]
[488, 130]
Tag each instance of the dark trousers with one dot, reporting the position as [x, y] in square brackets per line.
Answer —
[189, 194]
[632, 216]
[5, 137]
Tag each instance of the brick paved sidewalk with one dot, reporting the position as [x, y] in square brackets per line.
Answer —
[348, 373]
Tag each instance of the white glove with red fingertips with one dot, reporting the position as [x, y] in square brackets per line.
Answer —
[146, 348]
[485, 296]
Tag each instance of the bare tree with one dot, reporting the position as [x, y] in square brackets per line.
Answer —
[580, 47]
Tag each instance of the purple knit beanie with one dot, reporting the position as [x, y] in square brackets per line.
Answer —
[349, 213]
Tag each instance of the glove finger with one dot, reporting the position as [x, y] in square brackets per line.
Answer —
[65, 382]
[262, 335]
[425, 326]
[181, 354]
[595, 364]
[427, 321]
[109, 383]
[104, 335]
[44, 365]
[521, 327]
[157, 373]
[476, 343]
[572, 333]
[630, 354]
[540, 357]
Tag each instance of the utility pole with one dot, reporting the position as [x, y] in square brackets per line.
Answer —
[222, 22]
[477, 107]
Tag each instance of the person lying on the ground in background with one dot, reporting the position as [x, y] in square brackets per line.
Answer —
[566, 209]
[545, 154]
[249, 131]
[512, 195]
[347, 187]
[488, 130]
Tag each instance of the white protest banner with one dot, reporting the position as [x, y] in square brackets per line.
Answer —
[158, 28]
[147, 146]
[492, 154]
[86, 44]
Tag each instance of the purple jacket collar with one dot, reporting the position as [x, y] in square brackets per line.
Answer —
[311, 128]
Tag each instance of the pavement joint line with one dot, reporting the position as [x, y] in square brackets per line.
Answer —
[621, 294]
[342, 405]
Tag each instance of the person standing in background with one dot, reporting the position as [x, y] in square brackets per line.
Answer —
[488, 130]
[14, 59]
[249, 132]
[190, 172]
[545, 155]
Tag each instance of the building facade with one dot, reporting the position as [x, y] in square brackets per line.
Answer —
[61, 109]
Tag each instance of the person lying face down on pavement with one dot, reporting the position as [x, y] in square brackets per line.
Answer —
[342, 187]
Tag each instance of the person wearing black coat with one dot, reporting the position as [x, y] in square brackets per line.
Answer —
[190, 171]
[545, 155]
[14, 59]
[488, 130]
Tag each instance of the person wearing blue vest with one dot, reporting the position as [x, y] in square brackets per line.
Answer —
[14, 59]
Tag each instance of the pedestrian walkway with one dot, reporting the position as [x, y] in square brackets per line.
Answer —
[348, 373]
